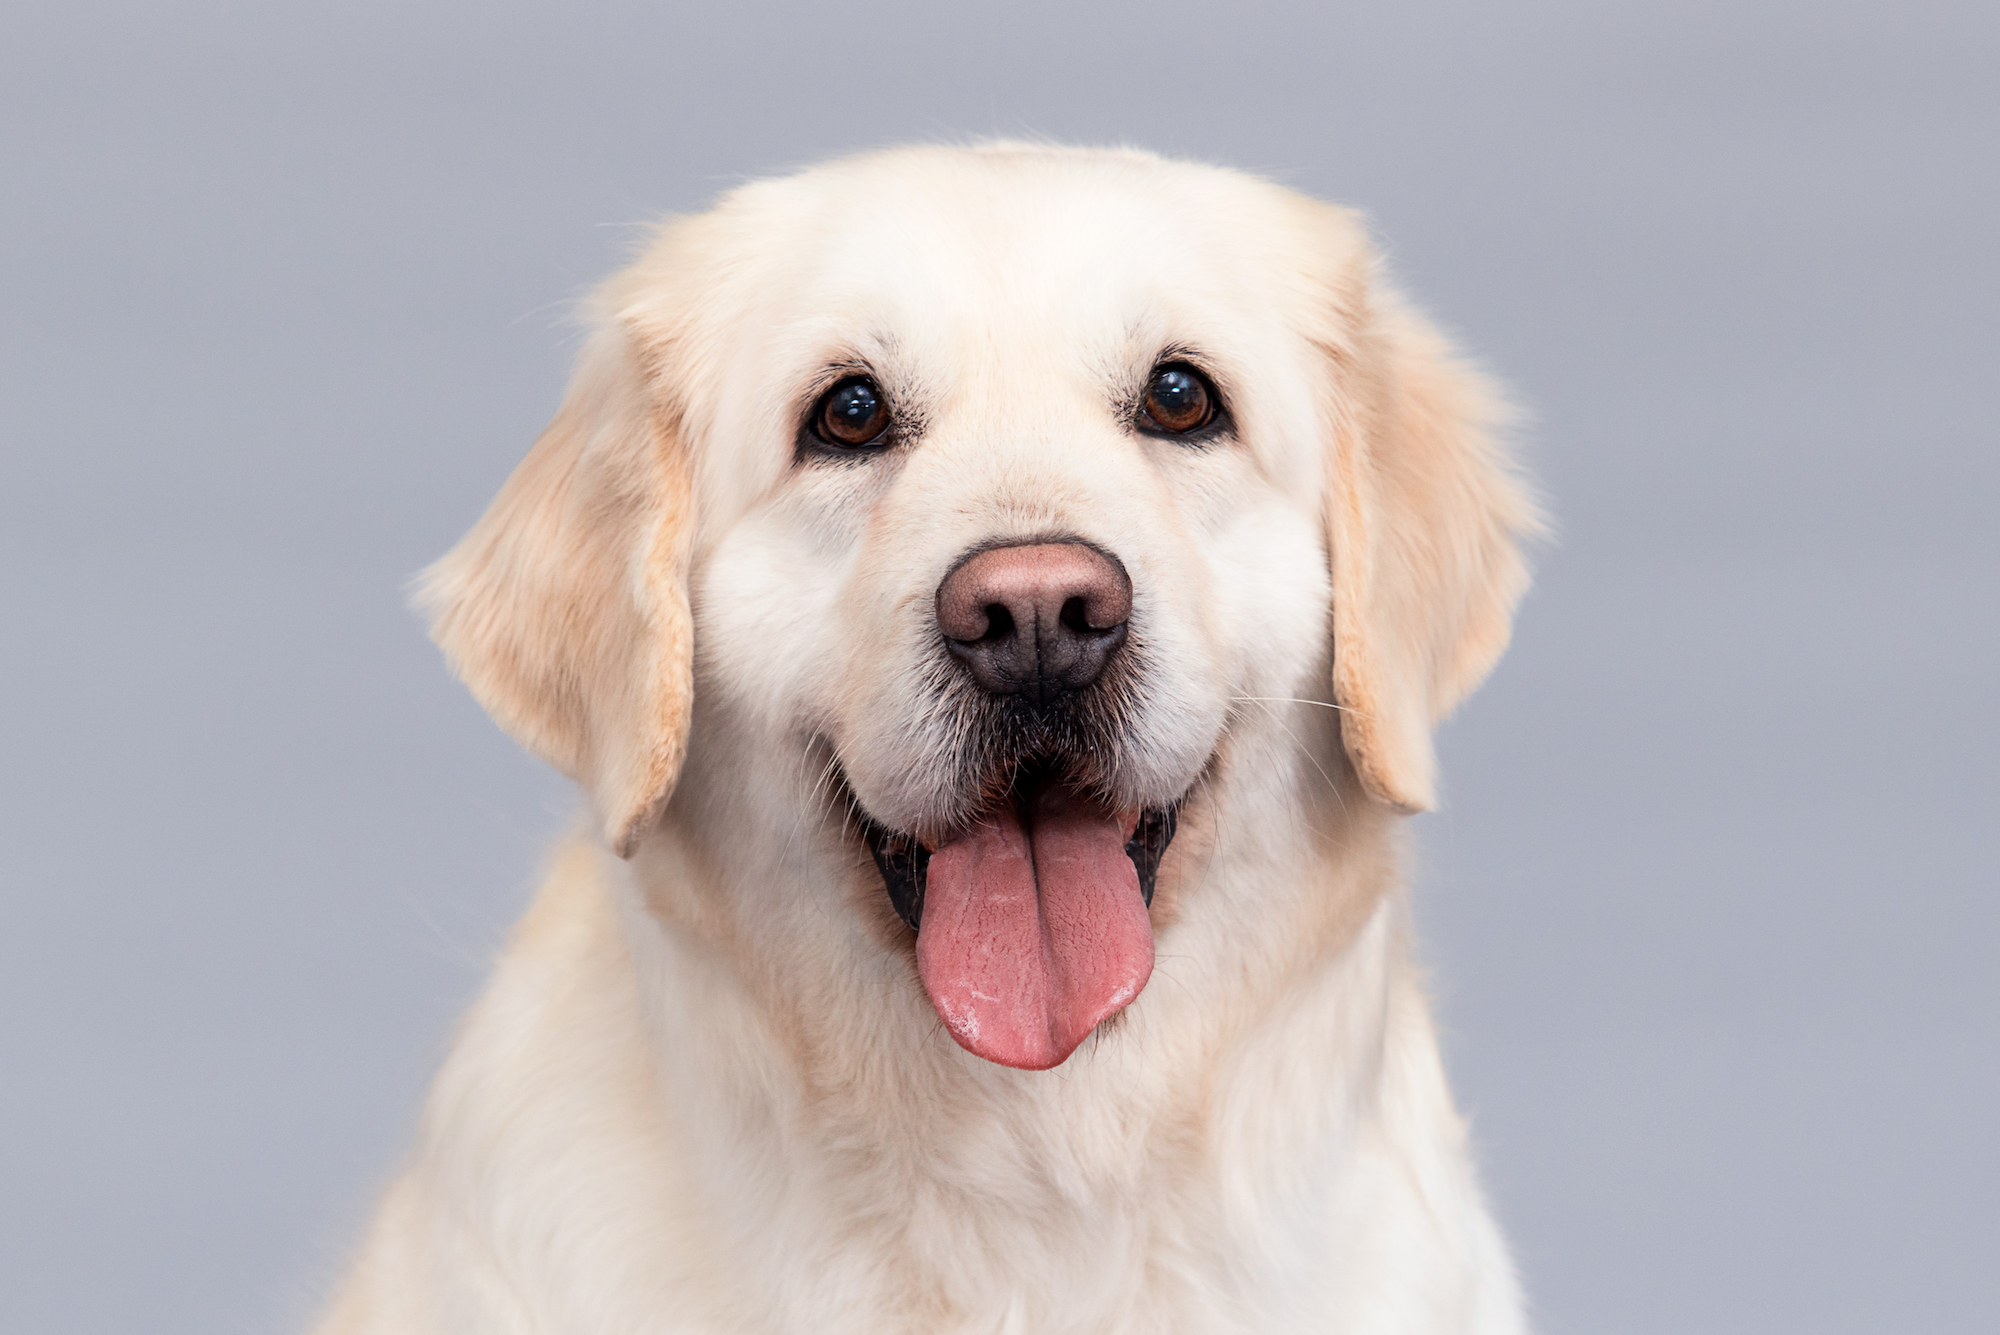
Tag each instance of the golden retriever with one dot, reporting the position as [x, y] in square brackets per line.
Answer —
[996, 602]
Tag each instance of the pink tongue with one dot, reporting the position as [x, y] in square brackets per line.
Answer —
[1033, 937]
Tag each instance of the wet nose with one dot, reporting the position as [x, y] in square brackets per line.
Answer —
[1037, 619]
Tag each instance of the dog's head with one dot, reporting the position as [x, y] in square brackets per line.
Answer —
[988, 485]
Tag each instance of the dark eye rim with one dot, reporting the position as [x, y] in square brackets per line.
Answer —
[1218, 421]
[813, 428]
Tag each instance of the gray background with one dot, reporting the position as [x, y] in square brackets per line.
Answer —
[1712, 909]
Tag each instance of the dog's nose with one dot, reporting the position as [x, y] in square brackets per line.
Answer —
[1035, 620]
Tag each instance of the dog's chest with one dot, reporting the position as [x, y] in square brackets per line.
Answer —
[939, 1267]
[997, 1233]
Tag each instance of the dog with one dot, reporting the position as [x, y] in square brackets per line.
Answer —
[996, 602]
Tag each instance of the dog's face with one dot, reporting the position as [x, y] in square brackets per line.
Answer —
[987, 488]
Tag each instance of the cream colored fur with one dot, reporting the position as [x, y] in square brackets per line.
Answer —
[704, 1091]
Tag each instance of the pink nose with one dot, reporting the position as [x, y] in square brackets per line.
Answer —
[1038, 620]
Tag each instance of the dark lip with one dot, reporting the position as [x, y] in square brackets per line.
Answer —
[904, 860]
[904, 863]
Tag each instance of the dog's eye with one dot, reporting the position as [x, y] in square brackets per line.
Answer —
[851, 414]
[1178, 399]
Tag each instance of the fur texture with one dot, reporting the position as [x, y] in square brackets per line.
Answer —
[704, 1091]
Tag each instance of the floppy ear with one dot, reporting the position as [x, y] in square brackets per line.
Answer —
[1425, 519]
[565, 608]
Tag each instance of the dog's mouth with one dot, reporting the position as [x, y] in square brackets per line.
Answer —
[1032, 924]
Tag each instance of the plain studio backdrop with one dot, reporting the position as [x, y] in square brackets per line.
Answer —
[1711, 907]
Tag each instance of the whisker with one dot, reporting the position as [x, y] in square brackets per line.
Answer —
[1332, 787]
[1292, 700]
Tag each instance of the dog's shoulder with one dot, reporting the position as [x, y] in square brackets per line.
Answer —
[548, 1096]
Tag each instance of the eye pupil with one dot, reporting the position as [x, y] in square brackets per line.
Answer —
[856, 405]
[852, 413]
[1178, 400]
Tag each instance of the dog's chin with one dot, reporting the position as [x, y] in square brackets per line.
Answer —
[1030, 910]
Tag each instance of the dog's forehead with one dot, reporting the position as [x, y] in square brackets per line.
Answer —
[1045, 259]
[1018, 254]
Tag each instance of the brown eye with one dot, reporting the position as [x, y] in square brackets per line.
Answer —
[851, 414]
[1179, 399]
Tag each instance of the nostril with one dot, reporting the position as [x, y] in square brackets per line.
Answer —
[999, 622]
[1075, 615]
